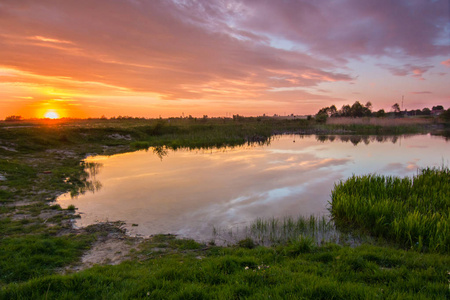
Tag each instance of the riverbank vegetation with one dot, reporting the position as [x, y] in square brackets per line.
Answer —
[42, 159]
[412, 212]
[358, 110]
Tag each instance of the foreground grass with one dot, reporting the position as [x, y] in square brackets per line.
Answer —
[182, 269]
[23, 258]
[413, 212]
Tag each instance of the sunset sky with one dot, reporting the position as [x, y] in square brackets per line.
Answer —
[151, 58]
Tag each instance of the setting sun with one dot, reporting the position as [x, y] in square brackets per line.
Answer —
[52, 115]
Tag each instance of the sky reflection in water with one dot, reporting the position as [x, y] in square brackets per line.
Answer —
[189, 192]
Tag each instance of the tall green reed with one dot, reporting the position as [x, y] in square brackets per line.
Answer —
[413, 212]
[272, 231]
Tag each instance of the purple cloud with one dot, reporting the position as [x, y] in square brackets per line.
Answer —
[408, 70]
[351, 28]
[421, 93]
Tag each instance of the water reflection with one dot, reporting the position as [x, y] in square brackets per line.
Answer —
[356, 139]
[87, 182]
[160, 151]
[191, 192]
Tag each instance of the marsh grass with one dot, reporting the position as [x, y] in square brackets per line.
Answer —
[281, 231]
[412, 212]
[384, 122]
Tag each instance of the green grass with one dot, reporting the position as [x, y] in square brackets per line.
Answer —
[294, 271]
[412, 212]
[26, 257]
[18, 175]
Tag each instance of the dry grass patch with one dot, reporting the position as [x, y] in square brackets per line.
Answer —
[380, 121]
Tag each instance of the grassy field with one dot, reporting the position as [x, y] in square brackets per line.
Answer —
[384, 122]
[40, 160]
[413, 212]
[166, 268]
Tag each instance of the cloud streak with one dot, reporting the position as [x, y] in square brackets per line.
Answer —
[408, 70]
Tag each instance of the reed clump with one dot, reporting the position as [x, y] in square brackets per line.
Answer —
[412, 212]
[284, 231]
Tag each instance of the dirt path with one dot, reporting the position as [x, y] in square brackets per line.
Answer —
[112, 246]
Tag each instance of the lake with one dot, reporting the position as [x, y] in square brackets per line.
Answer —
[190, 192]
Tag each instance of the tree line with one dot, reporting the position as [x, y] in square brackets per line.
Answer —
[358, 110]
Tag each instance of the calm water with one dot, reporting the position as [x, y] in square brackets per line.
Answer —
[188, 192]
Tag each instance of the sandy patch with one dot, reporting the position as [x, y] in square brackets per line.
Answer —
[110, 249]
[48, 214]
[8, 149]
[112, 252]
[21, 203]
[18, 217]
[107, 251]
[117, 136]
[61, 153]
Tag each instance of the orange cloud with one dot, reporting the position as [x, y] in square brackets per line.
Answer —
[46, 39]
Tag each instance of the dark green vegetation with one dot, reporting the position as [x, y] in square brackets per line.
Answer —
[166, 268]
[39, 160]
[413, 212]
[357, 110]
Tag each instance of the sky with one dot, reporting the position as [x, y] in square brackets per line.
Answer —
[169, 58]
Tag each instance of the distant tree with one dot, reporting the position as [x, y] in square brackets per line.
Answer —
[323, 110]
[381, 113]
[345, 111]
[368, 109]
[417, 112]
[438, 107]
[321, 118]
[322, 115]
[357, 110]
[13, 118]
[445, 115]
[396, 108]
[332, 112]
[426, 111]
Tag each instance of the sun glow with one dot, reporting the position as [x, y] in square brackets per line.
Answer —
[51, 114]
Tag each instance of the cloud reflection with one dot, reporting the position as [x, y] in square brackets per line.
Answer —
[189, 192]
